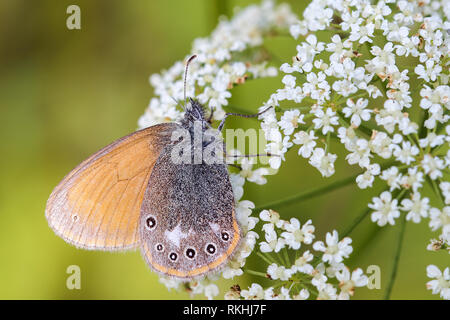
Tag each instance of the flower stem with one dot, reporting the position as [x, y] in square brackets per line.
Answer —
[355, 222]
[309, 194]
[396, 259]
[315, 192]
[436, 190]
[286, 258]
[256, 273]
[265, 258]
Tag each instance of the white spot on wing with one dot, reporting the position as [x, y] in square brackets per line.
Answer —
[175, 236]
[215, 227]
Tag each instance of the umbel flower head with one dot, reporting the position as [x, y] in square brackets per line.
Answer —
[371, 76]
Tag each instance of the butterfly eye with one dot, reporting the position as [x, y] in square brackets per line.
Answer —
[159, 247]
[150, 222]
[210, 248]
[190, 253]
[173, 256]
[225, 236]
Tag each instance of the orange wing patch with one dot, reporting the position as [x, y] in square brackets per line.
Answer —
[97, 205]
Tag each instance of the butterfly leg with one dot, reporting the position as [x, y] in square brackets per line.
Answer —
[240, 115]
[235, 166]
[210, 115]
[268, 154]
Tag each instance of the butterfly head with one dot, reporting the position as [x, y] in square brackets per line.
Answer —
[194, 112]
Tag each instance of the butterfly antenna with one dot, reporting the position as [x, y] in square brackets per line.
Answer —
[185, 75]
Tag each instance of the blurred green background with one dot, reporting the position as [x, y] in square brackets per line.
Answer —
[65, 94]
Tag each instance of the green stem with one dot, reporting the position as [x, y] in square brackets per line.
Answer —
[286, 258]
[436, 190]
[315, 192]
[396, 259]
[265, 258]
[310, 194]
[256, 273]
[360, 95]
[356, 222]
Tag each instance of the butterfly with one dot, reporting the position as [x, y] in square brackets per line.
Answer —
[131, 194]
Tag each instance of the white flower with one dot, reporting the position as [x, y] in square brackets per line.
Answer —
[416, 207]
[392, 177]
[278, 272]
[295, 235]
[432, 166]
[434, 99]
[366, 179]
[237, 183]
[319, 279]
[211, 290]
[335, 251]
[307, 142]
[357, 111]
[255, 176]
[360, 153]
[406, 154]
[348, 282]
[170, 283]
[243, 211]
[386, 209]
[325, 120]
[363, 33]
[327, 292]
[428, 72]
[380, 144]
[290, 120]
[302, 264]
[284, 294]
[302, 295]
[432, 140]
[441, 283]
[278, 149]
[323, 162]
[273, 242]
[440, 219]
[255, 292]
[413, 179]
[445, 188]
[271, 216]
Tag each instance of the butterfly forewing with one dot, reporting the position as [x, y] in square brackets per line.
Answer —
[97, 205]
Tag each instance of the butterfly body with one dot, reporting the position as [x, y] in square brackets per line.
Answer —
[132, 194]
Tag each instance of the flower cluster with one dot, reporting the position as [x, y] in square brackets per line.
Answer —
[231, 55]
[357, 89]
[315, 273]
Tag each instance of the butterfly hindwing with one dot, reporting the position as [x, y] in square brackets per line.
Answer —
[187, 224]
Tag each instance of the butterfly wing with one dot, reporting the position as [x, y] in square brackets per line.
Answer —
[97, 205]
[188, 225]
